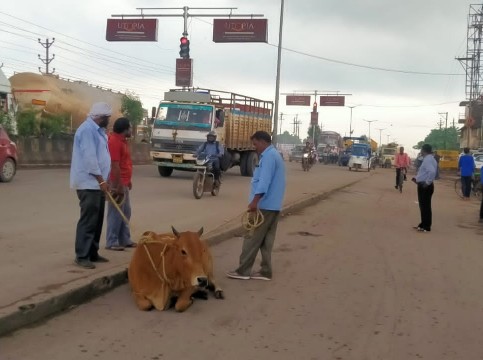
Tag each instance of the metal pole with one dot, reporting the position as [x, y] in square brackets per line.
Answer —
[277, 84]
[350, 124]
[185, 18]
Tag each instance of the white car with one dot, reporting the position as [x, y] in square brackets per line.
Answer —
[478, 160]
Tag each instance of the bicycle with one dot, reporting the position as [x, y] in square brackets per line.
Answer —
[476, 189]
[400, 180]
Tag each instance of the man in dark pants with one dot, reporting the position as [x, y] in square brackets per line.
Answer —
[466, 166]
[89, 171]
[267, 192]
[424, 179]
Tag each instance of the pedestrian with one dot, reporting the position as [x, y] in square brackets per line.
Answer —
[425, 181]
[466, 166]
[437, 157]
[481, 186]
[118, 235]
[267, 192]
[89, 172]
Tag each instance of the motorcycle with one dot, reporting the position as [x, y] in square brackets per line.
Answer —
[307, 161]
[204, 179]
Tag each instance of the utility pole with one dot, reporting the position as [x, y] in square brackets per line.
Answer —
[380, 136]
[277, 81]
[445, 127]
[369, 122]
[281, 121]
[350, 123]
[47, 44]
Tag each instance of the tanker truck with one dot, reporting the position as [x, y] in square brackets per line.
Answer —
[185, 116]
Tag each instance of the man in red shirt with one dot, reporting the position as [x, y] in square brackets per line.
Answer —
[402, 162]
[118, 234]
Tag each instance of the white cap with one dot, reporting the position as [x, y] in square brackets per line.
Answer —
[101, 109]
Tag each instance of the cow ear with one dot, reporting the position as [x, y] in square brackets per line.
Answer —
[200, 232]
[175, 232]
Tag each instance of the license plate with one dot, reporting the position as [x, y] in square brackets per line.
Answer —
[178, 159]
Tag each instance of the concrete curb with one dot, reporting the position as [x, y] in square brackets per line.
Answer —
[37, 312]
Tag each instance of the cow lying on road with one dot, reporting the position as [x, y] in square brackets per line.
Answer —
[166, 266]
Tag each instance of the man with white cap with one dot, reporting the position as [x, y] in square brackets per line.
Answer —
[89, 171]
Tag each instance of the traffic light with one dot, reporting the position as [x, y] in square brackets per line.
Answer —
[184, 47]
[314, 107]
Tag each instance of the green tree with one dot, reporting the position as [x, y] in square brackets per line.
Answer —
[27, 123]
[441, 139]
[7, 122]
[287, 138]
[53, 124]
[132, 108]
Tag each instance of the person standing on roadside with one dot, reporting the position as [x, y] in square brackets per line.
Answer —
[89, 171]
[466, 166]
[267, 192]
[437, 157]
[425, 181]
[118, 235]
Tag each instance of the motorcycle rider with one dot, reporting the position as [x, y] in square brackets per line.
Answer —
[309, 149]
[215, 151]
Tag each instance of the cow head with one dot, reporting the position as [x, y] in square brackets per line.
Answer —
[190, 252]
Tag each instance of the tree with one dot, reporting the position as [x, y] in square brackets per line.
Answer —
[27, 123]
[314, 130]
[132, 108]
[287, 138]
[442, 139]
[7, 122]
[53, 124]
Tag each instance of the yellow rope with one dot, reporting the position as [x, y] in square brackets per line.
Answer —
[145, 241]
[252, 220]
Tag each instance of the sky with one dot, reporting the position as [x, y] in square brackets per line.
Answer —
[422, 36]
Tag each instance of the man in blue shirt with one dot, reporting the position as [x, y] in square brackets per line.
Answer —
[424, 179]
[466, 166]
[89, 172]
[267, 192]
[215, 151]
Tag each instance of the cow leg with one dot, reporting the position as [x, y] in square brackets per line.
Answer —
[184, 300]
[160, 298]
[215, 289]
[208, 267]
[141, 302]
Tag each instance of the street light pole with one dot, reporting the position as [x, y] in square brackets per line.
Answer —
[277, 83]
[350, 124]
[370, 121]
[380, 136]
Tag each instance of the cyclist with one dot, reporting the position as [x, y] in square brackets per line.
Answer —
[402, 162]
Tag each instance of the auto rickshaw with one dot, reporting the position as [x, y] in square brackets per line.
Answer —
[360, 157]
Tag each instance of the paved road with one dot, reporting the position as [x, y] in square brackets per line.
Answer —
[352, 280]
[38, 215]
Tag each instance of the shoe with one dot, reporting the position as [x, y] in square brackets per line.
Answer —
[100, 259]
[259, 276]
[423, 230]
[395, 187]
[86, 264]
[416, 227]
[132, 245]
[235, 275]
[115, 248]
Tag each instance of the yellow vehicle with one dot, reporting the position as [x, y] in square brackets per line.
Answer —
[185, 117]
[388, 154]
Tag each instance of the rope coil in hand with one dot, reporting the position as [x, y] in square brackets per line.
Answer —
[252, 220]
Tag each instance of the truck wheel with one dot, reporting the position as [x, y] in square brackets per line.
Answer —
[165, 171]
[251, 163]
[225, 162]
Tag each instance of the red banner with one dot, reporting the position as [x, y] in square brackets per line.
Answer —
[298, 100]
[132, 30]
[184, 72]
[332, 100]
[240, 30]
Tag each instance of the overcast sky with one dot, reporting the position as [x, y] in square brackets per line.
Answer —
[411, 35]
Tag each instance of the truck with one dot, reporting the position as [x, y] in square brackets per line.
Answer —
[185, 116]
[387, 155]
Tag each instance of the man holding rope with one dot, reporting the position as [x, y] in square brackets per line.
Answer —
[118, 235]
[267, 192]
[89, 170]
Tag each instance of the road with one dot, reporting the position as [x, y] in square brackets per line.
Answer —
[352, 280]
[38, 215]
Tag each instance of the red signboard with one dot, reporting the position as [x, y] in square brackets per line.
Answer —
[332, 100]
[184, 72]
[132, 30]
[299, 100]
[240, 30]
[314, 118]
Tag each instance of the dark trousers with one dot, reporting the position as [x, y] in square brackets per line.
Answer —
[425, 193]
[262, 239]
[466, 186]
[216, 168]
[481, 209]
[89, 227]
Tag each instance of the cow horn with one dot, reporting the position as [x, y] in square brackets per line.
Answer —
[200, 232]
[175, 232]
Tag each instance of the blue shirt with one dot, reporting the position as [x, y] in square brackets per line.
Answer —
[90, 156]
[210, 150]
[269, 180]
[467, 165]
[427, 170]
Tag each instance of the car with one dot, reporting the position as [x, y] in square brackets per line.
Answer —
[478, 160]
[8, 157]
[296, 153]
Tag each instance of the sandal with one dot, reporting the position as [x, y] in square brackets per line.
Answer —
[131, 245]
[115, 248]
